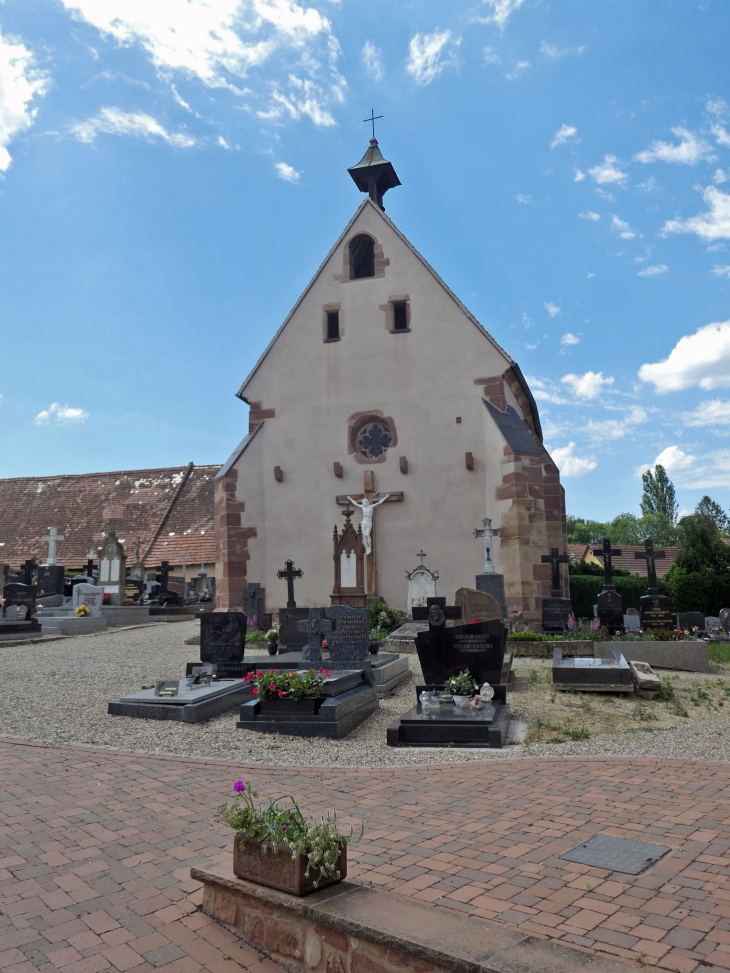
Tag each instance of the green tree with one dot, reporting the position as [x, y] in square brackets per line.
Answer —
[661, 530]
[702, 545]
[658, 496]
[708, 508]
[624, 529]
[581, 531]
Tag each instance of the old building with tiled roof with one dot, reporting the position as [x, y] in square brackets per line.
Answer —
[170, 510]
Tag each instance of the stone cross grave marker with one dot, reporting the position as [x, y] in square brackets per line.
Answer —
[29, 567]
[52, 538]
[290, 572]
[651, 557]
[656, 609]
[316, 628]
[488, 532]
[349, 641]
[555, 559]
[610, 602]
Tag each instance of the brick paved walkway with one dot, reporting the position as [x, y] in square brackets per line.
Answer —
[96, 846]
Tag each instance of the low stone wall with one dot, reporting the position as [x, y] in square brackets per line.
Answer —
[544, 650]
[350, 928]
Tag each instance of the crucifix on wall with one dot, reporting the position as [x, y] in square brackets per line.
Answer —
[374, 499]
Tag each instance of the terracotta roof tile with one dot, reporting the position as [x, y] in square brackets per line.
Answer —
[146, 503]
[628, 562]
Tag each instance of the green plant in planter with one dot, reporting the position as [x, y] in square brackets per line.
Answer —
[532, 637]
[272, 635]
[277, 683]
[462, 685]
[320, 842]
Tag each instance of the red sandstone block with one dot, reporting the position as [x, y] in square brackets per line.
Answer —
[363, 964]
[283, 937]
[331, 936]
[410, 962]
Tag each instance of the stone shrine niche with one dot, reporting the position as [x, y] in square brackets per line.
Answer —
[348, 558]
[113, 568]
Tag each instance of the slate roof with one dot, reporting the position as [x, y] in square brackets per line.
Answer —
[170, 504]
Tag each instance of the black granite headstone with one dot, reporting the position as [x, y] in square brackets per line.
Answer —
[349, 643]
[656, 613]
[254, 604]
[50, 580]
[20, 594]
[289, 634]
[686, 621]
[222, 636]
[611, 611]
[478, 647]
[168, 597]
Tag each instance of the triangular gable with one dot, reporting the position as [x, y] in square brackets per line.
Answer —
[368, 202]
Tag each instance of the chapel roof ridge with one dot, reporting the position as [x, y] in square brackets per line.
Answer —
[76, 476]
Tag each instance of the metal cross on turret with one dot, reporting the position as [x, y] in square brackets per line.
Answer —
[372, 119]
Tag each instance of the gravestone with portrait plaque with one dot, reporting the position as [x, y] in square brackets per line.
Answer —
[478, 647]
[17, 621]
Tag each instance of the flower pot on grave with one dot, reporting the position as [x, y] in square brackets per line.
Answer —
[286, 706]
[272, 646]
[374, 646]
[277, 869]
[460, 700]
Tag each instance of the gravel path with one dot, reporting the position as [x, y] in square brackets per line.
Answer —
[58, 692]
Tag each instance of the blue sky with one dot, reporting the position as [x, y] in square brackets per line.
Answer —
[172, 173]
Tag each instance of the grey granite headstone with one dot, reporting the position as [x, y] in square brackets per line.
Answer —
[725, 620]
[348, 643]
[632, 623]
[315, 626]
[11, 614]
[222, 636]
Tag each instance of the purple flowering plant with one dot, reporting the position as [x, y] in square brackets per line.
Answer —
[278, 828]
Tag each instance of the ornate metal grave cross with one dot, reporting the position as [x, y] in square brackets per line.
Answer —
[52, 538]
[290, 573]
[555, 559]
[316, 627]
[488, 532]
[651, 557]
[372, 119]
[371, 495]
[608, 554]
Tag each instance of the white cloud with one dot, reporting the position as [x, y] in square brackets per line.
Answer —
[655, 271]
[287, 173]
[712, 412]
[579, 176]
[223, 143]
[522, 198]
[373, 59]
[688, 152]
[546, 391]
[608, 171]
[60, 415]
[722, 135]
[550, 50]
[219, 42]
[502, 10]
[491, 56]
[712, 225]
[696, 472]
[569, 464]
[20, 82]
[702, 358]
[720, 176]
[622, 228]
[716, 107]
[566, 133]
[518, 69]
[552, 309]
[612, 429]
[590, 274]
[588, 215]
[570, 339]
[114, 121]
[424, 60]
[720, 271]
[587, 386]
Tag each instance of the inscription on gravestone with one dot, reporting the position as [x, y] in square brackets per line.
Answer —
[478, 647]
[222, 637]
[348, 643]
[20, 594]
[315, 628]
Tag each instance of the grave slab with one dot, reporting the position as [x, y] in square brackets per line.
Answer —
[191, 705]
[686, 656]
[606, 672]
[71, 624]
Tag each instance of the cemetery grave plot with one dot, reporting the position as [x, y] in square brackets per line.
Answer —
[555, 716]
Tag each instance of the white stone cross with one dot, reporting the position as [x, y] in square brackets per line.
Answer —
[488, 532]
[52, 538]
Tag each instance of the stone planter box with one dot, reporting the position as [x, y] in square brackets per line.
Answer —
[277, 869]
[686, 656]
[309, 706]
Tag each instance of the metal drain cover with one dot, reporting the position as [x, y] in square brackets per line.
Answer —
[616, 854]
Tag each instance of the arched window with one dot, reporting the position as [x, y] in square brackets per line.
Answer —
[362, 257]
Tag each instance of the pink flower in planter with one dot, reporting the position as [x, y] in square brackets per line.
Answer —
[272, 686]
[255, 690]
[239, 787]
[281, 693]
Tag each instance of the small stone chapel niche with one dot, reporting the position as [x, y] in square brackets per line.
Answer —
[348, 557]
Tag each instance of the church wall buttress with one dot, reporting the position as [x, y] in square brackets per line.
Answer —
[231, 544]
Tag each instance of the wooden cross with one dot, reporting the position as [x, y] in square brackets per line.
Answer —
[370, 494]
[608, 554]
[651, 557]
[555, 559]
[290, 573]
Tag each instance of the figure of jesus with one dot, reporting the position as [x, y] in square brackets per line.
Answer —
[367, 509]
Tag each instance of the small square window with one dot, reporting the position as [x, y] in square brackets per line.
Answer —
[333, 325]
[400, 316]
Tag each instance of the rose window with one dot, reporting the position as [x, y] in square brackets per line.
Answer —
[373, 439]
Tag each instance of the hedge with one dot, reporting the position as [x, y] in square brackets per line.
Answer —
[706, 591]
[585, 588]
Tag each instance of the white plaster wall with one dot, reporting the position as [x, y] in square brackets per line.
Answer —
[424, 380]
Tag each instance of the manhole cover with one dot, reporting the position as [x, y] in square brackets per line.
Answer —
[616, 854]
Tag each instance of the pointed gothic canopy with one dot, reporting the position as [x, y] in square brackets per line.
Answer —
[374, 175]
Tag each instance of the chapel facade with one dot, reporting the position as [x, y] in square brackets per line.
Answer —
[381, 382]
